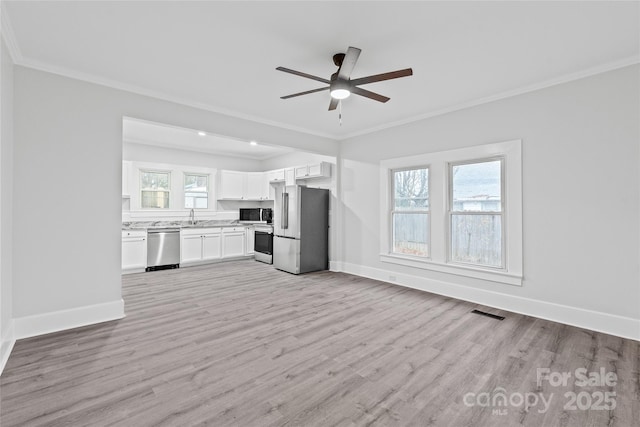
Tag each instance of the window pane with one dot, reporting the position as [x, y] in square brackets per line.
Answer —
[477, 239]
[196, 200]
[411, 234]
[155, 199]
[476, 187]
[411, 189]
[196, 191]
[154, 180]
[195, 182]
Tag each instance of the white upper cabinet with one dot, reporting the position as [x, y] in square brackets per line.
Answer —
[235, 185]
[257, 186]
[126, 178]
[275, 175]
[290, 176]
[232, 185]
[316, 170]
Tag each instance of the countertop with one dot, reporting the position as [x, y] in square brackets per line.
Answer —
[145, 225]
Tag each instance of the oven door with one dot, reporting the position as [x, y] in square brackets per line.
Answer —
[263, 242]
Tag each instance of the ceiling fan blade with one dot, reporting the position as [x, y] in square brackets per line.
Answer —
[305, 92]
[369, 94]
[384, 76]
[333, 104]
[301, 74]
[349, 61]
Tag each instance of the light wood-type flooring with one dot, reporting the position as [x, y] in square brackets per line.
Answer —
[242, 344]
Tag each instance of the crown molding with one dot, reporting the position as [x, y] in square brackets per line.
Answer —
[114, 84]
[631, 60]
[9, 35]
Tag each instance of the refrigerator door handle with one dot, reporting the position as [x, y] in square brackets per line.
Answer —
[284, 223]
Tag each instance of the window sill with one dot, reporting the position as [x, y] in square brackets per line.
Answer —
[459, 270]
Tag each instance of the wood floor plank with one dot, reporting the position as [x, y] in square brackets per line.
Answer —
[242, 344]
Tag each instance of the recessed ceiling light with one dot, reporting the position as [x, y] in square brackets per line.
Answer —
[202, 133]
[253, 143]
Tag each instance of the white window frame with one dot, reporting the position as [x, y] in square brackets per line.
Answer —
[501, 212]
[424, 211]
[141, 189]
[439, 188]
[184, 191]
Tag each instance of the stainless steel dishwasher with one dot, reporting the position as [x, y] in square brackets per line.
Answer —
[163, 248]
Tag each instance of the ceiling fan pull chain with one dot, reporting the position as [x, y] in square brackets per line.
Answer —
[340, 112]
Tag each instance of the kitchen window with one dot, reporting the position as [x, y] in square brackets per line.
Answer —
[465, 220]
[410, 213]
[196, 191]
[155, 189]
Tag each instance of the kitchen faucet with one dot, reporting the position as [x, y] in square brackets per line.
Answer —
[192, 217]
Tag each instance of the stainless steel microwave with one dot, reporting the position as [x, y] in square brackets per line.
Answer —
[263, 215]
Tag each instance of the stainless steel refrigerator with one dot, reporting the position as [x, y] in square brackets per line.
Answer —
[301, 229]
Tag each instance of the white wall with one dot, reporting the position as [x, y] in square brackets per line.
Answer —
[68, 151]
[6, 195]
[581, 199]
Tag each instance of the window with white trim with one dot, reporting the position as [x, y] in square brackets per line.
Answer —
[155, 189]
[196, 191]
[410, 213]
[475, 213]
[466, 221]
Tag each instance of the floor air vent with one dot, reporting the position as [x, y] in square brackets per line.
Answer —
[493, 316]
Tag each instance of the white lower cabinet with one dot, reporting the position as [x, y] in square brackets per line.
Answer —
[134, 251]
[199, 244]
[250, 238]
[212, 246]
[233, 242]
[190, 248]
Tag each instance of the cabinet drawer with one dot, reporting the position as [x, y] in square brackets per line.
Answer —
[133, 233]
[199, 231]
[234, 230]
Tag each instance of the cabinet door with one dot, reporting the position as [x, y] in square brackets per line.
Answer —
[276, 175]
[233, 244]
[232, 184]
[134, 253]
[191, 248]
[211, 246]
[250, 241]
[302, 172]
[255, 184]
[290, 176]
[266, 187]
[126, 177]
[318, 170]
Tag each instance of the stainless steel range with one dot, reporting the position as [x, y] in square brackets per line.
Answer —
[263, 245]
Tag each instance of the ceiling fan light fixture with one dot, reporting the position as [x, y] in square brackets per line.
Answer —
[340, 93]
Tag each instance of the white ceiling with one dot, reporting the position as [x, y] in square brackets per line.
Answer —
[223, 55]
[161, 135]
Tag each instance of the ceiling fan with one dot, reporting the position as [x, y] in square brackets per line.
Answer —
[340, 83]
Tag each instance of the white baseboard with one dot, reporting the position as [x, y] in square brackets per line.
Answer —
[6, 345]
[625, 327]
[40, 324]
